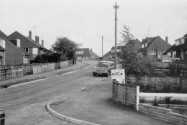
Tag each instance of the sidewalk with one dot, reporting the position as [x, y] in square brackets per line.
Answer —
[27, 78]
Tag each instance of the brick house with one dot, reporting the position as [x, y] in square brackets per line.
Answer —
[9, 53]
[31, 48]
[154, 47]
[179, 50]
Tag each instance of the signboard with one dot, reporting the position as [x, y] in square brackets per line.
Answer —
[118, 75]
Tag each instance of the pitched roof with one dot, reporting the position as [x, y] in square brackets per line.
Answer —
[3, 35]
[149, 40]
[21, 36]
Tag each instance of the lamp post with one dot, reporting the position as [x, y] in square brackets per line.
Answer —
[116, 8]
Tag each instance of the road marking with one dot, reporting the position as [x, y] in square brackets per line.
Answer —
[69, 72]
[26, 83]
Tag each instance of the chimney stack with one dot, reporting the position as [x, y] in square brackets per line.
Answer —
[166, 39]
[30, 34]
[42, 43]
[37, 40]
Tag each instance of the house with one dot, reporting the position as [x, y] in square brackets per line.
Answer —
[9, 53]
[179, 50]
[133, 45]
[31, 48]
[85, 53]
[154, 47]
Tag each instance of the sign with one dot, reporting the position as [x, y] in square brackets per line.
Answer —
[118, 75]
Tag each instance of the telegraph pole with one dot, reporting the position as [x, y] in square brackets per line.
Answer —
[116, 8]
[102, 44]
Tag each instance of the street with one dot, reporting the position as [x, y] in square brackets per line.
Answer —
[90, 97]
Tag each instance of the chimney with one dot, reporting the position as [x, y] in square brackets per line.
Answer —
[30, 34]
[166, 39]
[42, 43]
[37, 40]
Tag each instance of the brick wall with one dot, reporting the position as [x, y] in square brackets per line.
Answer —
[127, 95]
[163, 114]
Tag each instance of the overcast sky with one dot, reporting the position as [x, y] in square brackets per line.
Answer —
[85, 21]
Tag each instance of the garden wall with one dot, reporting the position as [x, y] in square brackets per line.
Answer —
[164, 114]
[127, 95]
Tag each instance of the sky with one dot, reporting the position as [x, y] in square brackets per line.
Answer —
[85, 21]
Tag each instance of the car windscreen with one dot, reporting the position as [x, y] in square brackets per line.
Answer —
[102, 65]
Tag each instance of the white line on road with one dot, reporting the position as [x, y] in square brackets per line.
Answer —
[69, 72]
[26, 83]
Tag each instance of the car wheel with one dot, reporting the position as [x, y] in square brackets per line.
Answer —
[106, 74]
[94, 74]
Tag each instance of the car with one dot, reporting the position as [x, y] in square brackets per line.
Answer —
[103, 68]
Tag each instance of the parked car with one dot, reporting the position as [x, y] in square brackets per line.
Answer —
[103, 68]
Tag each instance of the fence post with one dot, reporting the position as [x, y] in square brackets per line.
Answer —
[137, 97]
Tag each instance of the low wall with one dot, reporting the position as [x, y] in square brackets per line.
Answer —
[127, 95]
[163, 114]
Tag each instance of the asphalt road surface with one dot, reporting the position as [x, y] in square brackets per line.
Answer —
[24, 105]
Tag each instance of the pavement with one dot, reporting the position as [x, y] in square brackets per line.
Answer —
[88, 99]
[28, 78]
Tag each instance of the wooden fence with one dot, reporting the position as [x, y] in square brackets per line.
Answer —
[125, 94]
[12, 72]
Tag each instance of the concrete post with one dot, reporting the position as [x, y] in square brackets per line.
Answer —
[137, 97]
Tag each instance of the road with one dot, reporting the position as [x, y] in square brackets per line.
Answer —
[24, 105]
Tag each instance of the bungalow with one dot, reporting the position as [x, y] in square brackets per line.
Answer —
[30, 48]
[9, 53]
[154, 47]
[179, 50]
[134, 45]
[85, 53]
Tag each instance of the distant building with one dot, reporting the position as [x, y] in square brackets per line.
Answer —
[154, 47]
[134, 44]
[10, 54]
[85, 53]
[179, 50]
[31, 48]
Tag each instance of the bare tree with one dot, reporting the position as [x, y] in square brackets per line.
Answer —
[126, 34]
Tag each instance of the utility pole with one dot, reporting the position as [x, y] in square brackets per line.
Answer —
[102, 44]
[116, 8]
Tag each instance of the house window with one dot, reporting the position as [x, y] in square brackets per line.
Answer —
[26, 50]
[35, 51]
[2, 43]
[18, 43]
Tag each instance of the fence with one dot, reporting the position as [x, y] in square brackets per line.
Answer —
[125, 94]
[12, 72]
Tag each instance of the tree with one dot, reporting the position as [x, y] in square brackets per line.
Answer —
[126, 34]
[66, 48]
[134, 63]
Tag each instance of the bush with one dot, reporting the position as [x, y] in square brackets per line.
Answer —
[135, 64]
[46, 58]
